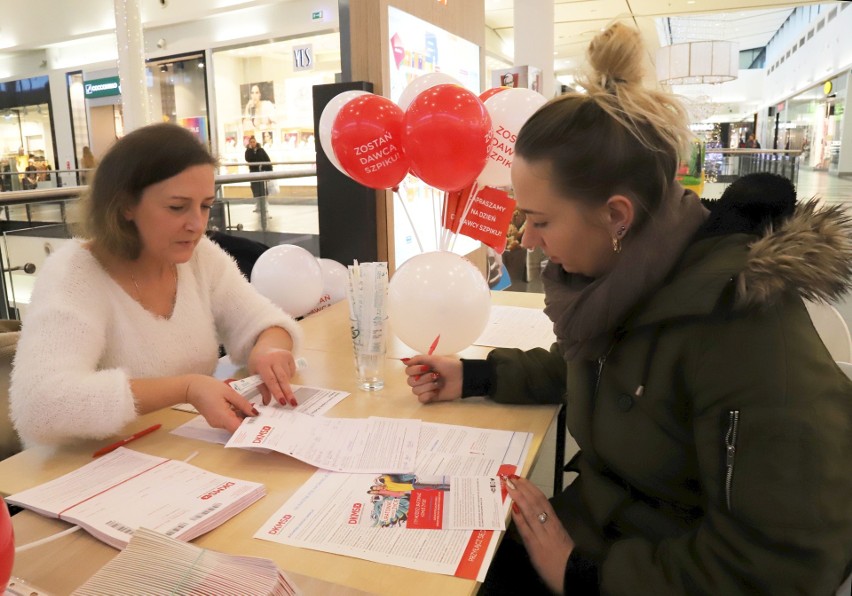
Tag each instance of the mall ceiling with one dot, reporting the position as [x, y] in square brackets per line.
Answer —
[577, 21]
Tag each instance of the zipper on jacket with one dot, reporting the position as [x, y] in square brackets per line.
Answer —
[730, 453]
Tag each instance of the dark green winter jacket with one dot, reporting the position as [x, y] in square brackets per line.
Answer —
[716, 434]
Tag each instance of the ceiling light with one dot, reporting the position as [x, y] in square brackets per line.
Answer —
[697, 62]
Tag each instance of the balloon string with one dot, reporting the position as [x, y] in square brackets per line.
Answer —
[436, 218]
[468, 204]
[445, 232]
[408, 215]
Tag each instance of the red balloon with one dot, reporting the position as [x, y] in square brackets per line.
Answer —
[447, 136]
[367, 141]
[7, 546]
[489, 92]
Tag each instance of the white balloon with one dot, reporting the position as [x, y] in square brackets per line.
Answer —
[438, 293]
[509, 110]
[326, 122]
[421, 84]
[290, 277]
[335, 277]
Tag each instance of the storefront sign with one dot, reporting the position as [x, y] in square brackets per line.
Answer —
[101, 87]
[303, 57]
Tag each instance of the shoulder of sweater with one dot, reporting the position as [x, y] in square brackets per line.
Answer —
[69, 275]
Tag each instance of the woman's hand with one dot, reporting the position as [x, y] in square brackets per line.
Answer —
[548, 543]
[275, 366]
[221, 406]
[434, 378]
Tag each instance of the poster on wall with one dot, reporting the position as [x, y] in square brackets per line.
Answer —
[198, 125]
[259, 101]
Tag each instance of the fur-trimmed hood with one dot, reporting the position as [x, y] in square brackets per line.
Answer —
[805, 248]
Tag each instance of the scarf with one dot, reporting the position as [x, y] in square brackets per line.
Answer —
[586, 312]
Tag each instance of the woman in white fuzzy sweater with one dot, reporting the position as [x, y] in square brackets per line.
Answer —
[128, 319]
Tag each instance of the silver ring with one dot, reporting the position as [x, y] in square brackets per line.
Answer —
[542, 517]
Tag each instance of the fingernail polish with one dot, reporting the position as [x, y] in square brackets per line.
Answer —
[294, 403]
[515, 508]
[435, 376]
[405, 360]
[282, 401]
[255, 412]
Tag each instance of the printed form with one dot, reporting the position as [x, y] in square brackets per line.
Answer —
[355, 445]
[421, 520]
[126, 489]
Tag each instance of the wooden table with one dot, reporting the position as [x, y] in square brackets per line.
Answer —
[61, 566]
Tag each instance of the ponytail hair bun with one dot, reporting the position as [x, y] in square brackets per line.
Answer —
[616, 55]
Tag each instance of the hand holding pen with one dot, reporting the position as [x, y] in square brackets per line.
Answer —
[434, 378]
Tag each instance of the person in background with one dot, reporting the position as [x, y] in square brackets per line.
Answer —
[30, 181]
[752, 143]
[254, 155]
[88, 163]
[713, 424]
[128, 318]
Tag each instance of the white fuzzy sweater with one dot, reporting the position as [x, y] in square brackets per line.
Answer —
[84, 338]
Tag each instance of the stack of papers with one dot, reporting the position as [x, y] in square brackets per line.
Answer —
[124, 490]
[156, 565]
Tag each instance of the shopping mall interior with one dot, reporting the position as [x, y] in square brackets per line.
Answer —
[764, 82]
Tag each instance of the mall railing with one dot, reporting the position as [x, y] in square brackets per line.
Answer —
[727, 165]
[35, 222]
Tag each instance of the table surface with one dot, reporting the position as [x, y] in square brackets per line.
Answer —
[61, 566]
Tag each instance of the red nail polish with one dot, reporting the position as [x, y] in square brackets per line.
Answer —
[435, 376]
[282, 401]
[417, 377]
[424, 368]
[255, 412]
[405, 360]
[515, 508]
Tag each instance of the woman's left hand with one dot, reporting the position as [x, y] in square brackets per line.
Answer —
[548, 543]
[275, 366]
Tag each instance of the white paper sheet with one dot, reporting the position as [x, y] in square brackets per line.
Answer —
[313, 401]
[517, 327]
[354, 445]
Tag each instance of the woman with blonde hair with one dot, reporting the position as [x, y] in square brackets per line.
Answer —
[713, 424]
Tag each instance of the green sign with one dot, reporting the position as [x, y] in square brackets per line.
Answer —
[316, 15]
[101, 87]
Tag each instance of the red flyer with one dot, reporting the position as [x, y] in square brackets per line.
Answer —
[487, 218]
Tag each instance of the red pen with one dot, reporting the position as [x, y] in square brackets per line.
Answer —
[431, 351]
[123, 442]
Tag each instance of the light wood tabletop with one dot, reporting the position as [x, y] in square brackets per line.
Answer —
[61, 566]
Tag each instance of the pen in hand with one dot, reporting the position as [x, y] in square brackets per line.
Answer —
[121, 443]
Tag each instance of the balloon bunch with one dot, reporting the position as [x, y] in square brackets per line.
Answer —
[456, 142]
[439, 131]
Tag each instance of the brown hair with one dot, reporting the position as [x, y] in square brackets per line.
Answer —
[146, 156]
[618, 137]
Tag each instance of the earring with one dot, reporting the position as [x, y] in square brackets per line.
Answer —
[616, 240]
[616, 244]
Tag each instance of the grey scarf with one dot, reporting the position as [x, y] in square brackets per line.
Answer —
[586, 312]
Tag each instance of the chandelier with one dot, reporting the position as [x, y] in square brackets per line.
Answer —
[697, 62]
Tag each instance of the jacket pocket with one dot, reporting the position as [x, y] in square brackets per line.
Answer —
[773, 467]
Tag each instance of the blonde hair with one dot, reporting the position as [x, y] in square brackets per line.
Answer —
[617, 138]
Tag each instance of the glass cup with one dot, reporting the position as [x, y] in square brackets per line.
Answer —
[369, 346]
